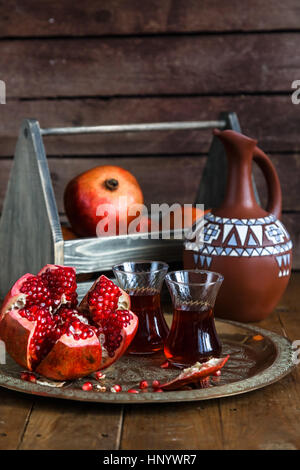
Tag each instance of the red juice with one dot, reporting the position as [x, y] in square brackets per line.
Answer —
[152, 329]
[192, 338]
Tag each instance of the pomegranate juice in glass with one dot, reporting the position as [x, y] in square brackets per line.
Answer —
[143, 280]
[192, 337]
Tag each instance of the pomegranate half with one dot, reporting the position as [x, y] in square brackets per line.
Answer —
[43, 330]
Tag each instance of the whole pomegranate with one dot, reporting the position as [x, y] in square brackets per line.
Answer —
[85, 194]
[44, 331]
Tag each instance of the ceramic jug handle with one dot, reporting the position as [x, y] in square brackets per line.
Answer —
[270, 174]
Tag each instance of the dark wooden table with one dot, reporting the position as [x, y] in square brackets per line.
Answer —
[265, 419]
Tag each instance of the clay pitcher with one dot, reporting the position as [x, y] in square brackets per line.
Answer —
[248, 245]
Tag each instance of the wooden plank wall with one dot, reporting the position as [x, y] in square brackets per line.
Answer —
[111, 61]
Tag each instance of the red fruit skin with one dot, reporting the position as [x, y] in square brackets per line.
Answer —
[53, 267]
[14, 294]
[16, 331]
[129, 335]
[87, 191]
[195, 377]
[70, 359]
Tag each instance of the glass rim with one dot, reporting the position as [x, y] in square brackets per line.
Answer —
[164, 266]
[220, 277]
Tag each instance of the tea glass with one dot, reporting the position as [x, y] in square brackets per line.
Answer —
[192, 337]
[143, 280]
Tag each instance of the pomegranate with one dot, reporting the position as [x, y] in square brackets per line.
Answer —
[197, 372]
[85, 194]
[43, 330]
[107, 305]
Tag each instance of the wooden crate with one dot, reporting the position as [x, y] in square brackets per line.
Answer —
[30, 230]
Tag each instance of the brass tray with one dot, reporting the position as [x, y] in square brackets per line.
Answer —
[257, 358]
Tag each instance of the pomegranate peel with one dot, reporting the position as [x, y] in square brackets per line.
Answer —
[195, 373]
[43, 331]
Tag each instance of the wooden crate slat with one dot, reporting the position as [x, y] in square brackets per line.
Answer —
[178, 65]
[110, 17]
[263, 117]
[30, 232]
[100, 254]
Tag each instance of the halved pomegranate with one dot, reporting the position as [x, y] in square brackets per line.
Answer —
[43, 330]
[107, 305]
[195, 373]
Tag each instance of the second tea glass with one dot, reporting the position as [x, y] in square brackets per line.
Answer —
[143, 280]
[192, 337]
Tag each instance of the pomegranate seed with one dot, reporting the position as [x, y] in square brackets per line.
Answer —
[116, 389]
[87, 386]
[99, 375]
[132, 390]
[165, 365]
[143, 384]
[156, 384]
[25, 376]
[158, 390]
[28, 377]
[32, 378]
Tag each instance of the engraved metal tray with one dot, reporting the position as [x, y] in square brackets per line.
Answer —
[257, 358]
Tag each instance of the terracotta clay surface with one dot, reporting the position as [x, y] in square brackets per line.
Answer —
[241, 240]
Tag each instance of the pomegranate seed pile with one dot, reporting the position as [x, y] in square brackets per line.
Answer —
[44, 295]
[36, 292]
[60, 282]
[44, 330]
[103, 303]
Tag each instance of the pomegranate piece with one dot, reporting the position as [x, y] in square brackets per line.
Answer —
[143, 384]
[165, 365]
[132, 390]
[197, 372]
[107, 306]
[61, 282]
[156, 384]
[99, 375]
[28, 377]
[43, 331]
[116, 389]
[87, 386]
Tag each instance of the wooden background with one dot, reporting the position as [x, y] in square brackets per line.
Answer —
[109, 62]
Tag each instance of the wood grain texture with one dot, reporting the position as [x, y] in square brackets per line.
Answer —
[174, 179]
[150, 65]
[273, 120]
[188, 426]
[97, 254]
[58, 425]
[265, 419]
[163, 179]
[15, 411]
[269, 421]
[30, 233]
[51, 18]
